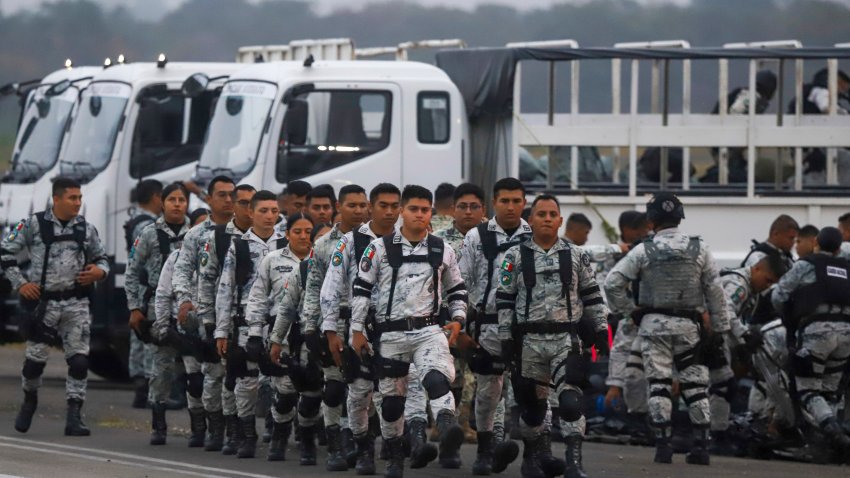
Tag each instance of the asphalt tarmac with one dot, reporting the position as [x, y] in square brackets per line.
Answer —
[118, 446]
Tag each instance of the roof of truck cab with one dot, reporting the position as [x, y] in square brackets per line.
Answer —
[71, 73]
[355, 70]
[173, 71]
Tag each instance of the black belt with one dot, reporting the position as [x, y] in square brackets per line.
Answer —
[75, 293]
[547, 327]
[407, 325]
[345, 313]
[692, 314]
[487, 319]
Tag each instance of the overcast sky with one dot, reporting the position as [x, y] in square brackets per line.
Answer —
[153, 9]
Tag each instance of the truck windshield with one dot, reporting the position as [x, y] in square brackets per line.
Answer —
[236, 128]
[40, 135]
[95, 129]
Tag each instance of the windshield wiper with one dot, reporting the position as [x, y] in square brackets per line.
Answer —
[215, 171]
[78, 167]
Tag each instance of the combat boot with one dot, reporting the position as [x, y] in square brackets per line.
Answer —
[530, 463]
[451, 438]
[248, 447]
[483, 465]
[512, 424]
[551, 465]
[470, 436]
[699, 450]
[74, 425]
[336, 461]
[234, 432]
[663, 448]
[267, 431]
[833, 431]
[395, 458]
[216, 428]
[572, 456]
[365, 454]
[198, 427]
[140, 392]
[504, 452]
[308, 445]
[277, 445]
[421, 452]
[349, 451]
[159, 428]
[24, 419]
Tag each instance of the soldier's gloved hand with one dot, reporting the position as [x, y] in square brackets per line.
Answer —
[507, 350]
[314, 343]
[601, 342]
[753, 338]
[254, 349]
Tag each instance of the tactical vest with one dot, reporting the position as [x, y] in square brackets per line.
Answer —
[766, 249]
[130, 227]
[396, 258]
[165, 241]
[831, 287]
[491, 250]
[244, 268]
[222, 240]
[361, 242]
[48, 237]
[671, 280]
[529, 274]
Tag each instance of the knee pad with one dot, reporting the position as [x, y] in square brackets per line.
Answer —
[534, 414]
[803, 366]
[309, 406]
[392, 408]
[436, 384]
[78, 366]
[195, 384]
[569, 405]
[334, 393]
[32, 369]
[725, 389]
[285, 402]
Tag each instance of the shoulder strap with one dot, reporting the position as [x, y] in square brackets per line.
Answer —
[436, 247]
[222, 243]
[361, 242]
[130, 226]
[164, 244]
[489, 243]
[244, 266]
[45, 228]
[529, 274]
[565, 271]
[394, 258]
[281, 243]
[303, 268]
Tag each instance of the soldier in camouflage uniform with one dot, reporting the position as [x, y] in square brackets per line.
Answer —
[265, 298]
[148, 194]
[148, 255]
[335, 299]
[468, 213]
[815, 299]
[770, 400]
[67, 258]
[742, 287]
[546, 287]
[240, 270]
[678, 280]
[443, 216]
[351, 217]
[410, 269]
[483, 250]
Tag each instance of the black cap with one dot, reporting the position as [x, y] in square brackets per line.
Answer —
[766, 83]
[665, 206]
[829, 239]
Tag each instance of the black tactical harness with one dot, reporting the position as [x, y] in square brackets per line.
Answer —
[831, 288]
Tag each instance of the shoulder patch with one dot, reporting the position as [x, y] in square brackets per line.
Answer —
[508, 264]
[205, 258]
[18, 228]
[585, 259]
[738, 295]
[336, 260]
[366, 261]
[505, 277]
[340, 246]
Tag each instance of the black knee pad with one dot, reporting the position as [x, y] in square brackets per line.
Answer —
[436, 384]
[195, 384]
[309, 406]
[334, 393]
[569, 405]
[78, 366]
[285, 402]
[392, 408]
[32, 369]
[534, 414]
[725, 390]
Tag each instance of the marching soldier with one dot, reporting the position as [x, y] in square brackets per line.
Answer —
[410, 269]
[67, 258]
[545, 288]
[678, 279]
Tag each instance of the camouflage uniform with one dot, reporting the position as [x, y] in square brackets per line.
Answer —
[676, 272]
[823, 346]
[146, 262]
[441, 222]
[226, 310]
[845, 250]
[140, 362]
[320, 259]
[625, 367]
[474, 268]
[769, 396]
[414, 296]
[69, 317]
[548, 356]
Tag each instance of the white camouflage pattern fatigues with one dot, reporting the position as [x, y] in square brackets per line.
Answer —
[140, 360]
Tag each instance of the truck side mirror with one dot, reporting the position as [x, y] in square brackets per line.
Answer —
[295, 122]
[195, 85]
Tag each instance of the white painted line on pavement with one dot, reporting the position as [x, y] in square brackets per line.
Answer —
[101, 459]
[208, 469]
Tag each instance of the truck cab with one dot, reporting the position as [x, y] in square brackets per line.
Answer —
[337, 122]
